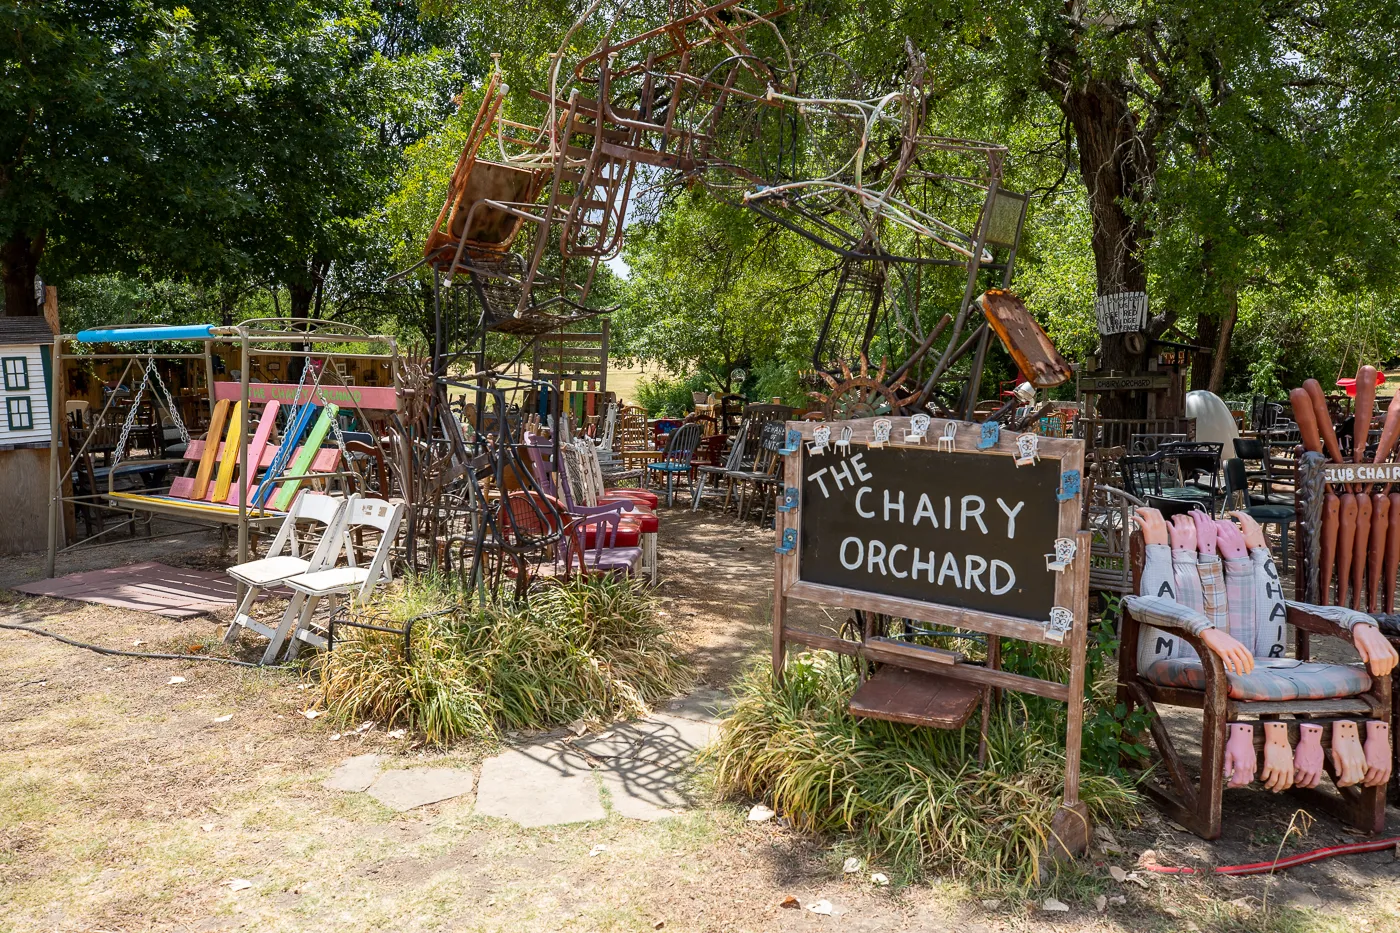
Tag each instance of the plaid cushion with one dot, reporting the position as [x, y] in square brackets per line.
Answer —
[1277, 679]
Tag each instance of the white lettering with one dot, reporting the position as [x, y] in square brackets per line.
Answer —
[821, 482]
[862, 471]
[1011, 517]
[974, 577]
[840, 471]
[893, 551]
[973, 513]
[891, 506]
[1010, 577]
[918, 565]
[925, 508]
[949, 568]
[875, 554]
[860, 554]
[863, 514]
[948, 512]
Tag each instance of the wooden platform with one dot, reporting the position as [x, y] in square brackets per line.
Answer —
[150, 587]
[917, 698]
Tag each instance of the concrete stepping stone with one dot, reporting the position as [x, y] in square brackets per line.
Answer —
[706, 705]
[539, 785]
[417, 787]
[354, 774]
[644, 790]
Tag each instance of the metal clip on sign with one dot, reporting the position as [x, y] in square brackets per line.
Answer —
[789, 542]
[1063, 557]
[1069, 485]
[1061, 621]
[880, 433]
[793, 443]
[991, 434]
[789, 502]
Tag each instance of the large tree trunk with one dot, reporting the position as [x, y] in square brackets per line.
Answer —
[1222, 346]
[20, 255]
[1202, 361]
[1116, 162]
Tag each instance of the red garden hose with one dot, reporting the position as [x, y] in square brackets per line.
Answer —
[1292, 861]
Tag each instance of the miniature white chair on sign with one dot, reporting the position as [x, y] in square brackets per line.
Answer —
[918, 429]
[949, 440]
[1027, 449]
[287, 557]
[353, 581]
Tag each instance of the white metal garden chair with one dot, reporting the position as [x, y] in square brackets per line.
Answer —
[290, 554]
[353, 580]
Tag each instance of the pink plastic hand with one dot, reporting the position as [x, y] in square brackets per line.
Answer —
[1277, 773]
[1378, 757]
[1348, 758]
[1307, 757]
[1183, 533]
[1153, 526]
[1253, 534]
[1375, 649]
[1239, 754]
[1205, 532]
[1228, 539]
[1234, 655]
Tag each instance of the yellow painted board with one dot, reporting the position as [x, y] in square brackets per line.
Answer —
[232, 448]
[211, 447]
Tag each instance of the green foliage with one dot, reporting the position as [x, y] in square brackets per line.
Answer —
[911, 797]
[669, 396]
[591, 649]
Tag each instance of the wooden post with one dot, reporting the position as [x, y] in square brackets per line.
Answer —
[1071, 824]
[56, 415]
[243, 473]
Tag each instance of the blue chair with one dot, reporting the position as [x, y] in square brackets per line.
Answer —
[675, 461]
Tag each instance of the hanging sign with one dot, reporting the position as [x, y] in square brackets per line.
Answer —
[1122, 313]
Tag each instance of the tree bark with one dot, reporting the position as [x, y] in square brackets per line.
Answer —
[20, 255]
[1222, 347]
[1203, 361]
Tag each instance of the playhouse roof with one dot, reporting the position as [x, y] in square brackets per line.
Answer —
[24, 330]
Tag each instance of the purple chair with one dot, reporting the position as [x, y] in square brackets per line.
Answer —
[605, 556]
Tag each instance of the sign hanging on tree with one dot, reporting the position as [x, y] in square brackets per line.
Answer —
[1123, 313]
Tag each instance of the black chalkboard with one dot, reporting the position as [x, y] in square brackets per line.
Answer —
[853, 535]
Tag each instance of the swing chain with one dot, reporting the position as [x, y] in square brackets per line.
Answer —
[120, 452]
[170, 403]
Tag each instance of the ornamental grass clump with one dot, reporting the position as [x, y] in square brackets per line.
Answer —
[592, 649]
[912, 798]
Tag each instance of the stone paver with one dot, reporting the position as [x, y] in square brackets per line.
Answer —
[354, 774]
[417, 787]
[705, 705]
[644, 790]
[539, 785]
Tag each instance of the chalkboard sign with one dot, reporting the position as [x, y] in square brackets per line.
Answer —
[963, 529]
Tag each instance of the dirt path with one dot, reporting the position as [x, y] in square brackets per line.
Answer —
[125, 805]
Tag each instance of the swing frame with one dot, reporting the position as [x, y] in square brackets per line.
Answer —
[253, 339]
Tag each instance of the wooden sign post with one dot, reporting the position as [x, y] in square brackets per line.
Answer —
[961, 527]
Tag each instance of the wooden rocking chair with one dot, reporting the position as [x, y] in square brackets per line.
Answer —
[1196, 804]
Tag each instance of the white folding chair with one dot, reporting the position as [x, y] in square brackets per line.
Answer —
[353, 580]
[289, 555]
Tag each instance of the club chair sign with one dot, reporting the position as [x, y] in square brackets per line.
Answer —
[960, 535]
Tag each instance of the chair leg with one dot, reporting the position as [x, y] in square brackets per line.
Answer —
[274, 644]
[242, 612]
[697, 493]
[670, 489]
[303, 625]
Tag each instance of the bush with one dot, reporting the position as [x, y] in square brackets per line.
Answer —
[669, 396]
[912, 797]
[591, 649]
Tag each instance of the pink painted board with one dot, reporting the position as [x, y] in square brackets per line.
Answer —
[370, 398]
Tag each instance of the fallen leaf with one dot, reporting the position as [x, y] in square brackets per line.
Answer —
[239, 884]
[1053, 905]
[578, 727]
[851, 865]
[822, 907]
[208, 827]
[335, 737]
[304, 686]
[790, 903]
[1137, 879]
[311, 713]
[991, 904]
[224, 718]
[396, 734]
[137, 642]
[1118, 874]
[1101, 903]
[364, 727]
[1177, 826]
[879, 880]
[1117, 900]
[758, 813]
[659, 925]
[597, 850]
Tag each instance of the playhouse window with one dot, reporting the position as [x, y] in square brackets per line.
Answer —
[16, 373]
[20, 414]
